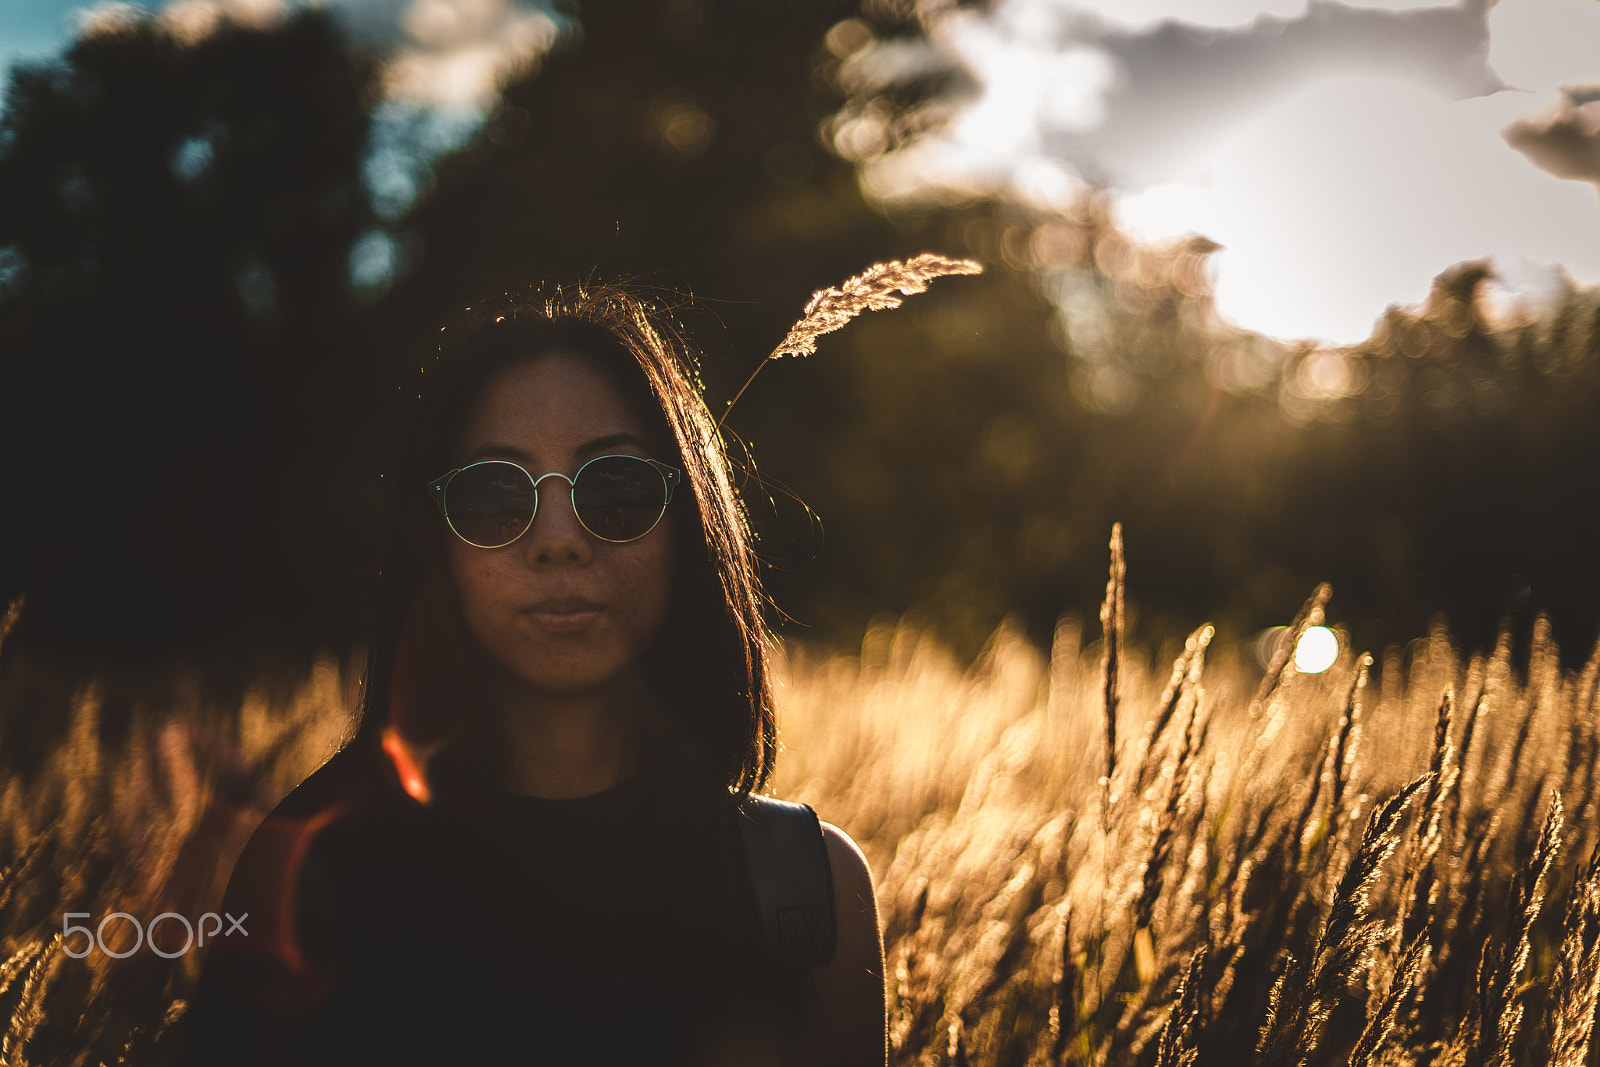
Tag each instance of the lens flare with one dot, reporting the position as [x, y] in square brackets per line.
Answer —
[410, 764]
[1317, 650]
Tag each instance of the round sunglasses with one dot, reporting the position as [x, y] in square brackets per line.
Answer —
[491, 503]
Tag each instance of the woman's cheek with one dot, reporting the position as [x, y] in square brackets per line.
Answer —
[480, 591]
[656, 582]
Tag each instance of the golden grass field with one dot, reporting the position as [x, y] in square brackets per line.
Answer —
[1366, 866]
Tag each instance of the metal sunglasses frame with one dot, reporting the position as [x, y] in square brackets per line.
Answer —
[670, 478]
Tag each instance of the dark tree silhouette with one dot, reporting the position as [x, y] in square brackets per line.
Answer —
[197, 405]
[176, 333]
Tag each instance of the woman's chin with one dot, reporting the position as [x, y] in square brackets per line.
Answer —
[575, 680]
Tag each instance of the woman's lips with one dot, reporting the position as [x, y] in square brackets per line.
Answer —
[564, 616]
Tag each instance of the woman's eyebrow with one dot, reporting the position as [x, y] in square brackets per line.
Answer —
[589, 448]
[612, 440]
[491, 449]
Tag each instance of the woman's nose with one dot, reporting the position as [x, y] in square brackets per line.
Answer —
[556, 533]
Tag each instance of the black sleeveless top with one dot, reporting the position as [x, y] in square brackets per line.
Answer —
[486, 926]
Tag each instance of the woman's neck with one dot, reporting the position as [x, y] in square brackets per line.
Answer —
[560, 745]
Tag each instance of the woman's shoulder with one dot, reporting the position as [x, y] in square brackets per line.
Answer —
[348, 783]
[271, 870]
[847, 864]
[847, 999]
[814, 891]
[353, 778]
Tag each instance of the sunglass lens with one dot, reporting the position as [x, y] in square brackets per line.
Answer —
[619, 498]
[490, 504]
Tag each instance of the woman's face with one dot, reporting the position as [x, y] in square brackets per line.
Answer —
[560, 610]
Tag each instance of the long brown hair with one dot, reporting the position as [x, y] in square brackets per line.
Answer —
[710, 663]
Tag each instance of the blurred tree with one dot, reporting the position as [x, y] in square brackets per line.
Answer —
[176, 222]
[692, 143]
[188, 370]
[683, 142]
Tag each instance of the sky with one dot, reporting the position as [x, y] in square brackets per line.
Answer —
[445, 58]
[1342, 154]
[32, 28]
[445, 52]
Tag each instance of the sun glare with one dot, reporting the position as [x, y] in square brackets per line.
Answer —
[1331, 206]
[1540, 44]
[1147, 14]
[1166, 212]
[1317, 650]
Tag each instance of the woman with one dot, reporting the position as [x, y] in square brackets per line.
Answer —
[532, 849]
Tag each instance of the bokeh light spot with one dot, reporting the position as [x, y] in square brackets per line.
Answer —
[373, 260]
[1317, 650]
[193, 158]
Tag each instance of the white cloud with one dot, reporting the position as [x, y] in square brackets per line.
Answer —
[1034, 80]
[105, 18]
[456, 53]
[1145, 14]
[188, 20]
[1333, 199]
[442, 53]
[191, 20]
[1540, 44]
[1164, 212]
[1352, 194]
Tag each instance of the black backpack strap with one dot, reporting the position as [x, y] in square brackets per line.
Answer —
[793, 882]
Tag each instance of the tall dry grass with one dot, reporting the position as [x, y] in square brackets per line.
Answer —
[143, 824]
[1082, 857]
[1393, 862]
[881, 287]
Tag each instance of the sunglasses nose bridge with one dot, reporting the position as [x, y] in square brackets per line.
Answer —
[551, 474]
[538, 497]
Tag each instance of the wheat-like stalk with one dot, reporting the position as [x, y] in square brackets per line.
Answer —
[1415, 895]
[1342, 755]
[1111, 622]
[1575, 989]
[8, 621]
[1502, 1011]
[1019, 929]
[1381, 1022]
[1307, 989]
[1064, 1002]
[1310, 615]
[1175, 1047]
[880, 287]
[1186, 670]
[29, 1012]
[1166, 826]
